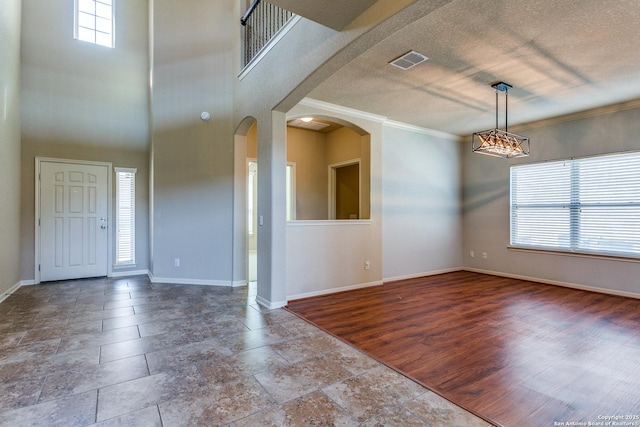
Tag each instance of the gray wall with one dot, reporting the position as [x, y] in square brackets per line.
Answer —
[9, 144]
[85, 102]
[192, 166]
[486, 202]
[422, 223]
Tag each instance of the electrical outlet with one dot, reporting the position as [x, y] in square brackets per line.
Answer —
[484, 255]
[472, 254]
[367, 265]
[176, 262]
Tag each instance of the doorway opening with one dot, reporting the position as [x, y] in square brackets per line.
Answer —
[344, 190]
[252, 220]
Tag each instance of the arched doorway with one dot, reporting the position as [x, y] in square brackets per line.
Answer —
[245, 203]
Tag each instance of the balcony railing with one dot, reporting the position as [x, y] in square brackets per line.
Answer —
[261, 22]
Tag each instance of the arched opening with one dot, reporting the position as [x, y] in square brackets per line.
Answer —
[245, 203]
[251, 217]
[328, 164]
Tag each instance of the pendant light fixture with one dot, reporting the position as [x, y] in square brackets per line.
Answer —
[497, 142]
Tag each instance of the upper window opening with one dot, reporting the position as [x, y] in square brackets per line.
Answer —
[94, 22]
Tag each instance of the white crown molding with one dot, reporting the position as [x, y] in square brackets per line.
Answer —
[586, 114]
[352, 112]
[339, 109]
[424, 131]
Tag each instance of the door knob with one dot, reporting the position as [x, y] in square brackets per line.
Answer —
[103, 227]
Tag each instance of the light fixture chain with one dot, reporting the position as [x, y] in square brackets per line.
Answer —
[506, 110]
[496, 108]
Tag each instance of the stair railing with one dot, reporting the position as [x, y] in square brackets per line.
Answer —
[261, 22]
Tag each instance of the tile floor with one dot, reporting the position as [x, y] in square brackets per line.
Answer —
[124, 351]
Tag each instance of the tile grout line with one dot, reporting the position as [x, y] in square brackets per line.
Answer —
[95, 420]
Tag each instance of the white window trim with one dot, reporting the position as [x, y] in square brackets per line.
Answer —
[76, 26]
[598, 195]
[131, 262]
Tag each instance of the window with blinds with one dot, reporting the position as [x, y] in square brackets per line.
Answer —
[125, 216]
[588, 205]
[94, 21]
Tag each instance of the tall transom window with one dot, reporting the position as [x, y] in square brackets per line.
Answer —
[94, 21]
[125, 216]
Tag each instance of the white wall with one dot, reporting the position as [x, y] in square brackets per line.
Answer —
[486, 203]
[85, 102]
[9, 144]
[421, 197]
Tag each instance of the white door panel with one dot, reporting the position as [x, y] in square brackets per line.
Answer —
[73, 220]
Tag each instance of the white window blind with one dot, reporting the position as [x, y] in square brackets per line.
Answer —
[589, 205]
[94, 21]
[125, 216]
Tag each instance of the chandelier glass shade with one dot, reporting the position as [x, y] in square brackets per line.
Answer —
[497, 142]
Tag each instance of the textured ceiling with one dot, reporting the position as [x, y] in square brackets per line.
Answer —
[560, 56]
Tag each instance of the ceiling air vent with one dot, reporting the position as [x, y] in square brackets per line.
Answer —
[408, 60]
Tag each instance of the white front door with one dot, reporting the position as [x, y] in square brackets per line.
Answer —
[73, 220]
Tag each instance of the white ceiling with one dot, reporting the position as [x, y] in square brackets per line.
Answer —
[560, 56]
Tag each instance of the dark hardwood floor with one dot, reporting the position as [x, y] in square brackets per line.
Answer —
[517, 353]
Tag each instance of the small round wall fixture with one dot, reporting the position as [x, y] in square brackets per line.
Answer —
[205, 116]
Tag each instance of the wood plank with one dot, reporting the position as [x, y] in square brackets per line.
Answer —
[515, 352]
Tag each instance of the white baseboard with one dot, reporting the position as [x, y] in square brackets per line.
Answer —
[556, 283]
[182, 281]
[127, 273]
[239, 283]
[9, 291]
[27, 282]
[270, 305]
[333, 290]
[415, 276]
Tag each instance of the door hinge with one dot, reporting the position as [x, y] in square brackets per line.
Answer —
[38, 267]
